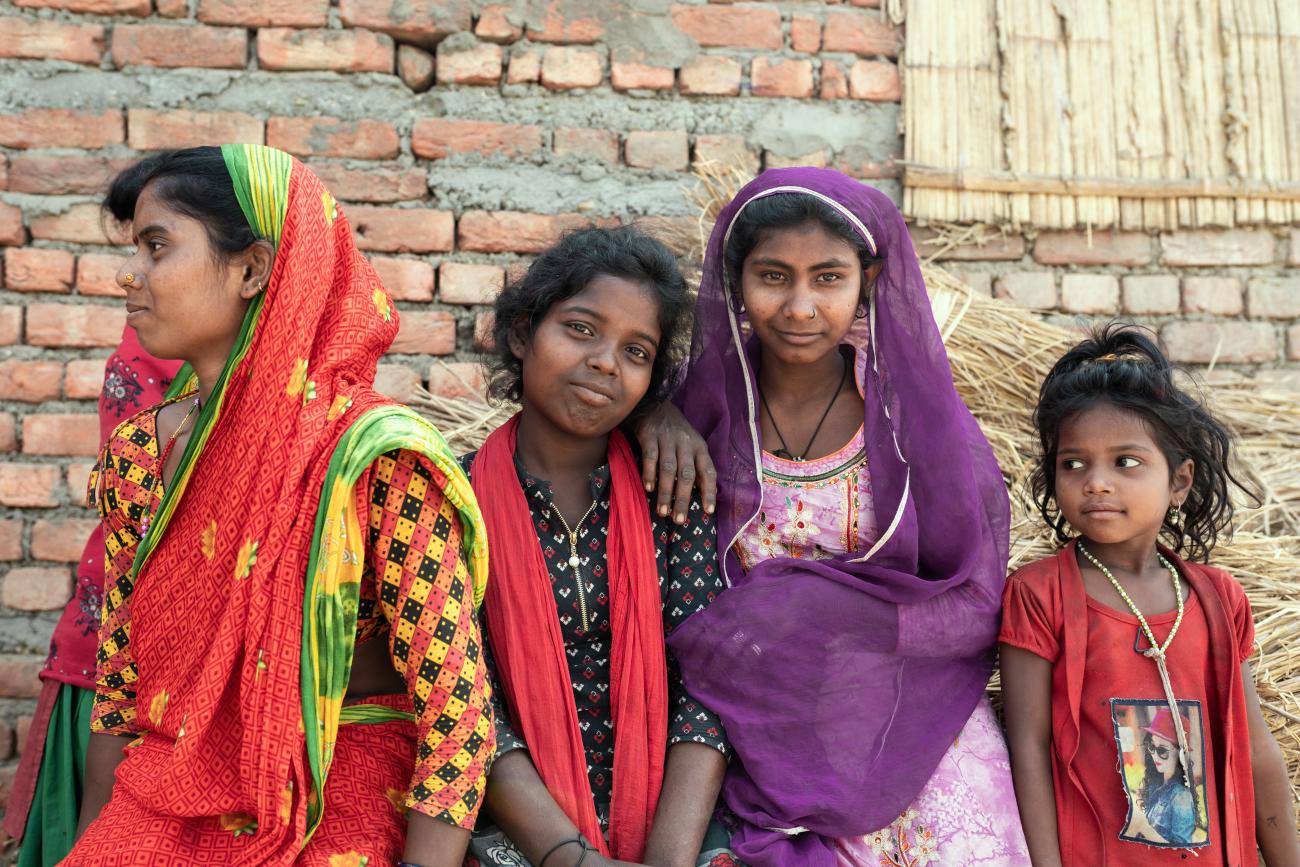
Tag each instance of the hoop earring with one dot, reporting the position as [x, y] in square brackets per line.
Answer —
[1174, 518]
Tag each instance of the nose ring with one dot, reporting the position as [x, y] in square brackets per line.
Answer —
[128, 279]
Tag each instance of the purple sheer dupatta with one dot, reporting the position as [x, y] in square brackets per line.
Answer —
[843, 682]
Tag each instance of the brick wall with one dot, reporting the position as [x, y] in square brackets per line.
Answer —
[461, 137]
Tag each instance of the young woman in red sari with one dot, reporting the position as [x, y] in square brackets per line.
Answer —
[289, 669]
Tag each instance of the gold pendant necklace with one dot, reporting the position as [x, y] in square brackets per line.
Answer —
[1156, 651]
[575, 561]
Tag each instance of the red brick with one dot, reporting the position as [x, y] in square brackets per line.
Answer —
[4, 172]
[397, 381]
[169, 45]
[76, 325]
[781, 77]
[65, 175]
[1293, 343]
[457, 380]
[729, 150]
[61, 128]
[1273, 297]
[476, 63]
[416, 67]
[525, 67]
[265, 13]
[97, 275]
[41, 39]
[600, 145]
[998, 247]
[61, 434]
[78, 478]
[423, 22]
[8, 432]
[11, 539]
[816, 159]
[383, 184]
[1211, 247]
[332, 137]
[565, 68]
[172, 8]
[93, 7]
[627, 75]
[1150, 293]
[1096, 248]
[402, 230]
[37, 588]
[1221, 296]
[875, 80]
[437, 138]
[29, 486]
[30, 381]
[284, 48]
[1033, 289]
[862, 33]
[657, 149]
[83, 379]
[835, 85]
[12, 232]
[464, 283]
[710, 75]
[734, 27]
[494, 24]
[980, 282]
[61, 541]
[425, 332]
[159, 130]
[557, 26]
[1089, 293]
[19, 678]
[83, 223]
[805, 34]
[513, 231]
[483, 324]
[1225, 342]
[11, 324]
[405, 279]
[31, 270]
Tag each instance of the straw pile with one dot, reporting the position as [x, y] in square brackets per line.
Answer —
[999, 355]
[1154, 114]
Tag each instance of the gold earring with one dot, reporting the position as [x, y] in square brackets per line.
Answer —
[128, 279]
[1175, 514]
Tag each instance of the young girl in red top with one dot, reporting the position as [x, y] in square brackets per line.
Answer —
[1135, 732]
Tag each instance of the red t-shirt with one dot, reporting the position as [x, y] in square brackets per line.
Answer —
[1127, 760]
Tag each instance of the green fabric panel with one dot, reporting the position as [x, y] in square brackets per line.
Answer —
[52, 822]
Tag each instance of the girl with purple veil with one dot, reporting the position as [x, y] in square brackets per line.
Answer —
[866, 530]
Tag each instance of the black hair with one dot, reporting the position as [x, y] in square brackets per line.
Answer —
[1120, 365]
[194, 182]
[781, 211]
[566, 269]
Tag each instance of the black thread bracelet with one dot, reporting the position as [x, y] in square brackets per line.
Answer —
[586, 847]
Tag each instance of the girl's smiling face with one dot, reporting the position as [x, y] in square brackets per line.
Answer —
[589, 361]
[1113, 482]
[801, 286]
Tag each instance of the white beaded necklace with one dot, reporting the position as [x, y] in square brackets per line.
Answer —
[1156, 651]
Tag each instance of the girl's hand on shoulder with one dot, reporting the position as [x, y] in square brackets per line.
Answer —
[675, 459]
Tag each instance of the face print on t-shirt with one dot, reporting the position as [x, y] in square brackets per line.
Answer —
[1163, 810]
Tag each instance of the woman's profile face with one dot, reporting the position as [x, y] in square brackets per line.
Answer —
[183, 298]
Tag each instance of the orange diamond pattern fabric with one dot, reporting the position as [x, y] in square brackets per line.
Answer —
[236, 719]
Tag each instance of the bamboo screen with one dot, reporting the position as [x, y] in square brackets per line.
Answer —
[1142, 114]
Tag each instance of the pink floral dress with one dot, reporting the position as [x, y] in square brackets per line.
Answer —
[966, 816]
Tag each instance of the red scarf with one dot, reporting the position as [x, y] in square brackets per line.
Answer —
[524, 631]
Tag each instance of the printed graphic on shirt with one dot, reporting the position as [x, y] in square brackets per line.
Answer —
[1166, 799]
